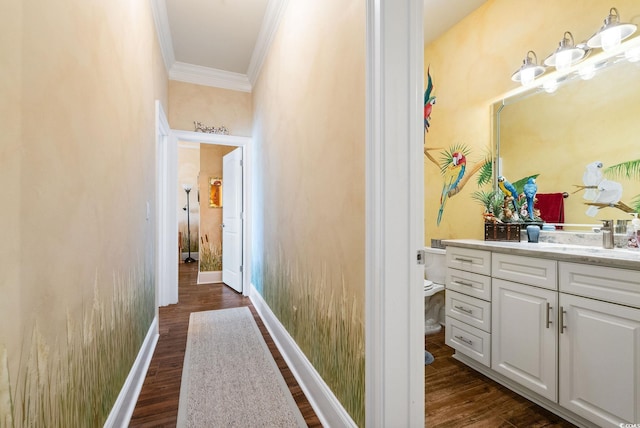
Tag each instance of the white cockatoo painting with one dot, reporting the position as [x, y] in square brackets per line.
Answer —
[598, 189]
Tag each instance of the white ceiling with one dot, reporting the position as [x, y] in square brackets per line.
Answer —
[223, 42]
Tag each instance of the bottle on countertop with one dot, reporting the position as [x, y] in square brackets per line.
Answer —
[633, 231]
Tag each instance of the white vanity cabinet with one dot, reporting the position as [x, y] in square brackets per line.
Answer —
[524, 305]
[564, 329]
[524, 337]
[468, 303]
[600, 344]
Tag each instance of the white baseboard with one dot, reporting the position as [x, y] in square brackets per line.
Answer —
[209, 277]
[126, 402]
[327, 407]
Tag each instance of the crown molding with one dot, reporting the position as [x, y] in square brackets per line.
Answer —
[270, 23]
[161, 20]
[209, 77]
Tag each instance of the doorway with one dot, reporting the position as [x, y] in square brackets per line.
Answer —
[168, 229]
[210, 221]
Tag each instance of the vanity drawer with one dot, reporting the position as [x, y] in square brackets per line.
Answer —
[477, 261]
[470, 310]
[525, 270]
[469, 283]
[600, 282]
[468, 340]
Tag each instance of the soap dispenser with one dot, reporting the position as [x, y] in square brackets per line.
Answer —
[632, 232]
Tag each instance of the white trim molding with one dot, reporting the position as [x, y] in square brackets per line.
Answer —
[230, 140]
[327, 407]
[394, 303]
[161, 20]
[120, 414]
[208, 76]
[270, 24]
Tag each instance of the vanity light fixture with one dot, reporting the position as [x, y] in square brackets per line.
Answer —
[566, 55]
[550, 86]
[529, 69]
[612, 32]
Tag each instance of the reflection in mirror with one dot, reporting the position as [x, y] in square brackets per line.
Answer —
[557, 135]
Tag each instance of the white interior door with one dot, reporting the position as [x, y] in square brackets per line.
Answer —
[232, 220]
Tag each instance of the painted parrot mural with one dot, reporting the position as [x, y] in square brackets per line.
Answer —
[452, 173]
[530, 190]
[429, 101]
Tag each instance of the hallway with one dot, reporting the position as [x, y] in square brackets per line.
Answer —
[157, 404]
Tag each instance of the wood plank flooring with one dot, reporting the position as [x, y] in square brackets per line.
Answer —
[157, 404]
[458, 396]
[455, 395]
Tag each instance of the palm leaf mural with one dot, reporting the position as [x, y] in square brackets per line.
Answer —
[485, 173]
[629, 170]
[635, 204]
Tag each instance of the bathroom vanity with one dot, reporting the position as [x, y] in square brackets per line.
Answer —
[556, 323]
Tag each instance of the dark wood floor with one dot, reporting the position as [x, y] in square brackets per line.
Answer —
[157, 404]
[458, 396]
[455, 395]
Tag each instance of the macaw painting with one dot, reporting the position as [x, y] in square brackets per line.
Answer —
[429, 101]
[456, 173]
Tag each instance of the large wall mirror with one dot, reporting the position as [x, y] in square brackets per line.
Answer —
[556, 135]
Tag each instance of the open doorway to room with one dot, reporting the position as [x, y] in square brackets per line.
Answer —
[210, 211]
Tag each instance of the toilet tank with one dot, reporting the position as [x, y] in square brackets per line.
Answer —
[435, 265]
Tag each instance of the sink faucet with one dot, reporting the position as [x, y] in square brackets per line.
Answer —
[607, 234]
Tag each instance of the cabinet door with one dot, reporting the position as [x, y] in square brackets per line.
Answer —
[600, 360]
[524, 336]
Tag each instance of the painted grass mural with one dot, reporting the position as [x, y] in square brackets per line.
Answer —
[326, 323]
[75, 384]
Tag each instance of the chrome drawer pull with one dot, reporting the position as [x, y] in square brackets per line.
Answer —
[548, 317]
[467, 341]
[460, 259]
[463, 309]
[468, 284]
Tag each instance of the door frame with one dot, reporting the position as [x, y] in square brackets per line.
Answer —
[394, 164]
[167, 183]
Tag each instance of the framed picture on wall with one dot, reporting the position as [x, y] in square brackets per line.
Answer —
[215, 192]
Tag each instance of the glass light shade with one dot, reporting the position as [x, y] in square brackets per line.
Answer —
[527, 75]
[529, 70]
[610, 38]
[587, 72]
[611, 33]
[566, 55]
[186, 187]
[550, 86]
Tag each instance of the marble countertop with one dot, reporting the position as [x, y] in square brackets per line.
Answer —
[617, 257]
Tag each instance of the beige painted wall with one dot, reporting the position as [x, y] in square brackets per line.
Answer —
[309, 185]
[10, 172]
[471, 66]
[79, 82]
[211, 106]
[211, 166]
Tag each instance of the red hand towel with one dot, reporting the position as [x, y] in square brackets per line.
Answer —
[551, 206]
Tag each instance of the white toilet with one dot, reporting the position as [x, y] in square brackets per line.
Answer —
[434, 270]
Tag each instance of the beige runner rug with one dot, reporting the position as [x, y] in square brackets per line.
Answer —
[229, 377]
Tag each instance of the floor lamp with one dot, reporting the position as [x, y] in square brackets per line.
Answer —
[189, 259]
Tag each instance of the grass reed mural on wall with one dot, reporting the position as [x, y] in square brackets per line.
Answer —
[325, 321]
[184, 237]
[75, 384]
[210, 255]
